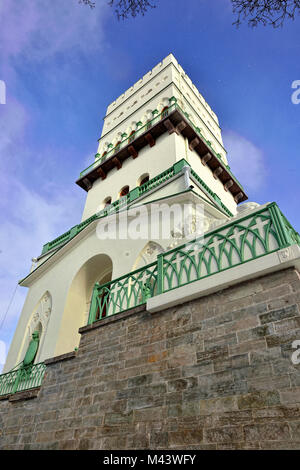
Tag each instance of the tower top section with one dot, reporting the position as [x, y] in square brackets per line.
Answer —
[150, 94]
[149, 77]
[163, 102]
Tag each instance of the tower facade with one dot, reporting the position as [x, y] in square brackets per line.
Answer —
[161, 142]
[169, 315]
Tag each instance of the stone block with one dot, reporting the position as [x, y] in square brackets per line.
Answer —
[267, 432]
[280, 314]
[185, 437]
[224, 434]
[258, 399]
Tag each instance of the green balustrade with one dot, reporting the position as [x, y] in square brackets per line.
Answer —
[123, 293]
[24, 378]
[242, 240]
[238, 242]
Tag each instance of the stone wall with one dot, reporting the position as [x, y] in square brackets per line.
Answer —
[215, 373]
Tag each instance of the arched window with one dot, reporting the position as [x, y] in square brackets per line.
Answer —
[103, 299]
[104, 155]
[107, 202]
[164, 112]
[103, 305]
[143, 179]
[124, 191]
[117, 146]
[131, 137]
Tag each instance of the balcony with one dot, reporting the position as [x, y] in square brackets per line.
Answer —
[173, 119]
[134, 194]
[241, 241]
[24, 378]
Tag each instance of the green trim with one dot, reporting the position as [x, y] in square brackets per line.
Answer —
[211, 193]
[123, 293]
[156, 118]
[126, 140]
[246, 239]
[210, 111]
[240, 241]
[133, 195]
[24, 378]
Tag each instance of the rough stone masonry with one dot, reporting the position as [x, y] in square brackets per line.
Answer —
[214, 373]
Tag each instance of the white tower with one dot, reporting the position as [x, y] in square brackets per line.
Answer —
[161, 143]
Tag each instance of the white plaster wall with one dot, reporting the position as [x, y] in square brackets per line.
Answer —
[164, 71]
[152, 160]
[165, 80]
[62, 333]
[214, 184]
[138, 109]
[157, 86]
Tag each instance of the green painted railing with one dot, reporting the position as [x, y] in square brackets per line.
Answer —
[211, 193]
[240, 241]
[124, 293]
[130, 197]
[21, 379]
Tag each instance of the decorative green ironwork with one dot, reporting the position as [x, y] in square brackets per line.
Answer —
[211, 193]
[131, 196]
[292, 235]
[124, 293]
[242, 240]
[24, 378]
[150, 123]
[238, 242]
[127, 139]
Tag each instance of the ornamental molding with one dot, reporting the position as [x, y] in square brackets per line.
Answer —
[285, 254]
[41, 314]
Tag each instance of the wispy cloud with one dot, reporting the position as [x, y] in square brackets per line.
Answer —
[36, 35]
[41, 29]
[33, 221]
[246, 160]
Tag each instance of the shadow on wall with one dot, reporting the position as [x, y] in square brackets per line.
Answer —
[96, 269]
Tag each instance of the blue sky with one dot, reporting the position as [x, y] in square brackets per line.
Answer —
[64, 63]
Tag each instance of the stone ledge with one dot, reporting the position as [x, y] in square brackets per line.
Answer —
[25, 395]
[262, 266]
[62, 357]
[5, 397]
[112, 319]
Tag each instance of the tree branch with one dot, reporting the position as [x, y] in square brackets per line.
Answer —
[265, 12]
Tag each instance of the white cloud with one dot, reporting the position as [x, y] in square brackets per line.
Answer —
[39, 29]
[246, 160]
[34, 221]
[35, 33]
